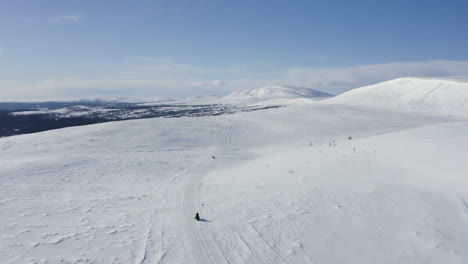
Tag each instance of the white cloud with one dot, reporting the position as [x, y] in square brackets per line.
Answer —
[67, 17]
[212, 83]
[218, 83]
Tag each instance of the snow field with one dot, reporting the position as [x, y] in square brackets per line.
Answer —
[287, 185]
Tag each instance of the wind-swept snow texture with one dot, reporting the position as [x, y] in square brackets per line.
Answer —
[442, 97]
[313, 183]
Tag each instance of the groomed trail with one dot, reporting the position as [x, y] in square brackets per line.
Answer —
[201, 241]
[198, 244]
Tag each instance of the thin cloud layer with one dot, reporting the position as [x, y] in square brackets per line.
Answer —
[341, 79]
[67, 17]
[218, 82]
[212, 83]
[167, 79]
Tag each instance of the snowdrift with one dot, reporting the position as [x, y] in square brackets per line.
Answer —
[428, 96]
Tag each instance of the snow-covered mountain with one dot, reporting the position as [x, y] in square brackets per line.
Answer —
[277, 92]
[428, 96]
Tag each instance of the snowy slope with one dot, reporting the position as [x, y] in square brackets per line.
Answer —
[286, 185]
[429, 96]
[276, 93]
[396, 198]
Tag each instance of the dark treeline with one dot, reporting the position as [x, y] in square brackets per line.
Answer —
[94, 113]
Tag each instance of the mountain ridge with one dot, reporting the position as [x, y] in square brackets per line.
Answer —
[428, 96]
[278, 92]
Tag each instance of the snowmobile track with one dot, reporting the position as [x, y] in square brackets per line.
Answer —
[198, 247]
[201, 242]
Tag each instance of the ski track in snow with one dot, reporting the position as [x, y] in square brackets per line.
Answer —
[463, 204]
[198, 244]
[201, 241]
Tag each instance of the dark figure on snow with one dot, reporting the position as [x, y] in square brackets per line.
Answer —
[197, 217]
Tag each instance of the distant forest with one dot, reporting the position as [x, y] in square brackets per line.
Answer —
[94, 112]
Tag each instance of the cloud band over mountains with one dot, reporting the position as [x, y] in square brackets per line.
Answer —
[156, 78]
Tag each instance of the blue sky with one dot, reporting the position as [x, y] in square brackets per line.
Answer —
[144, 49]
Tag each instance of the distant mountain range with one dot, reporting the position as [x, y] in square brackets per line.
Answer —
[425, 96]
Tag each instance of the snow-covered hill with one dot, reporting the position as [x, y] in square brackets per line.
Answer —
[276, 92]
[311, 183]
[428, 96]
